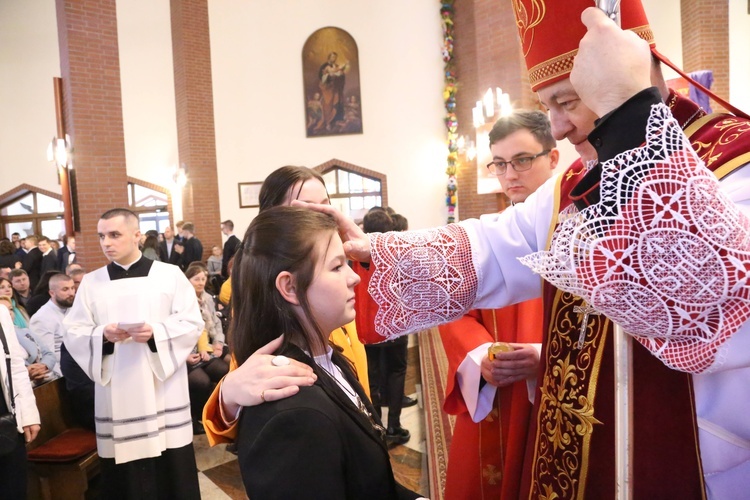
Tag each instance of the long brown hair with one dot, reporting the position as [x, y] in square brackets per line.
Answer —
[278, 184]
[279, 239]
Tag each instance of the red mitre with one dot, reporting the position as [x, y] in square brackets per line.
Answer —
[550, 31]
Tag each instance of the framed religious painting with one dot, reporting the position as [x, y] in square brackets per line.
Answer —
[330, 71]
[249, 192]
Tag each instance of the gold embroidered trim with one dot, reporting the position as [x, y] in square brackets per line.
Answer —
[563, 64]
[565, 422]
[552, 68]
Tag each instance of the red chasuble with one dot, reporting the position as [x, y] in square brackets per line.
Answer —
[486, 458]
[571, 449]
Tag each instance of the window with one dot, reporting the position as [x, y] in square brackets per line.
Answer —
[32, 212]
[150, 205]
[353, 193]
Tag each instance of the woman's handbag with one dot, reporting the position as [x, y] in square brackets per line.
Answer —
[8, 427]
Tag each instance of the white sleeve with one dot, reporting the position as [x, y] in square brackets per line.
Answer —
[26, 410]
[425, 278]
[737, 350]
[176, 336]
[469, 374]
[84, 339]
[499, 240]
[39, 325]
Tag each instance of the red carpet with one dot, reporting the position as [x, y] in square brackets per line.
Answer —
[439, 425]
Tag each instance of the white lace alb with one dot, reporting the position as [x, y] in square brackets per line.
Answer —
[664, 253]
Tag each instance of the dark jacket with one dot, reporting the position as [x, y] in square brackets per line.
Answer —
[230, 248]
[315, 445]
[9, 260]
[32, 264]
[172, 258]
[49, 262]
[193, 252]
[62, 258]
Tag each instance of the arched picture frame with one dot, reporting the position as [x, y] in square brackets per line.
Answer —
[330, 68]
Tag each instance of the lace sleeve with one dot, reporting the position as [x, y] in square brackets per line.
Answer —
[664, 253]
[421, 279]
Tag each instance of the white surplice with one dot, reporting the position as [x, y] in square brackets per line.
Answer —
[142, 400]
[495, 242]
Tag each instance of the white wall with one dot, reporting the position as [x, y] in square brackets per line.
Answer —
[259, 103]
[29, 59]
[148, 101]
[259, 100]
[665, 19]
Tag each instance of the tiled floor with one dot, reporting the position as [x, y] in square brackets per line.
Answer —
[220, 476]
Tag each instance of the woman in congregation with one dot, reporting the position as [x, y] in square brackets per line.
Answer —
[19, 417]
[20, 316]
[258, 377]
[40, 361]
[150, 247]
[206, 365]
[326, 442]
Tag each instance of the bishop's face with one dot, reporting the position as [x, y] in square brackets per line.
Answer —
[570, 118]
[119, 239]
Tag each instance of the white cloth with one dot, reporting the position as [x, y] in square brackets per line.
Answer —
[26, 411]
[142, 405]
[47, 325]
[480, 403]
[495, 243]
[721, 398]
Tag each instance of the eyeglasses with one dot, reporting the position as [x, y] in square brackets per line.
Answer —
[522, 164]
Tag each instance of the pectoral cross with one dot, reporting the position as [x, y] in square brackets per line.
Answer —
[587, 311]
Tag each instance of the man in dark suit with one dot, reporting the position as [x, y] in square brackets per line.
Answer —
[230, 246]
[32, 261]
[192, 248]
[49, 256]
[68, 249]
[167, 248]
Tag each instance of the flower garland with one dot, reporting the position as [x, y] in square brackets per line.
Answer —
[449, 96]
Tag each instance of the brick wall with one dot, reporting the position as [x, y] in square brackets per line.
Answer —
[195, 119]
[488, 55]
[92, 104]
[705, 41]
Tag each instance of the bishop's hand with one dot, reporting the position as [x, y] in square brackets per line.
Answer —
[356, 242]
[612, 64]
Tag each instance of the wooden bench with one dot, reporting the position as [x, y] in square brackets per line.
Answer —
[63, 457]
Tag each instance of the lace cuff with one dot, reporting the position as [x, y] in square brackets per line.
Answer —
[421, 279]
[664, 253]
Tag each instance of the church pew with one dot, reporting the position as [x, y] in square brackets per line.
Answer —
[63, 457]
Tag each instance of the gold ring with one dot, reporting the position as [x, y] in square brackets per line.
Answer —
[262, 395]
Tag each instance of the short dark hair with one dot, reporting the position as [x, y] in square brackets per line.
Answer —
[377, 221]
[229, 224]
[276, 187]
[400, 223]
[535, 122]
[128, 215]
[58, 278]
[42, 238]
[15, 273]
